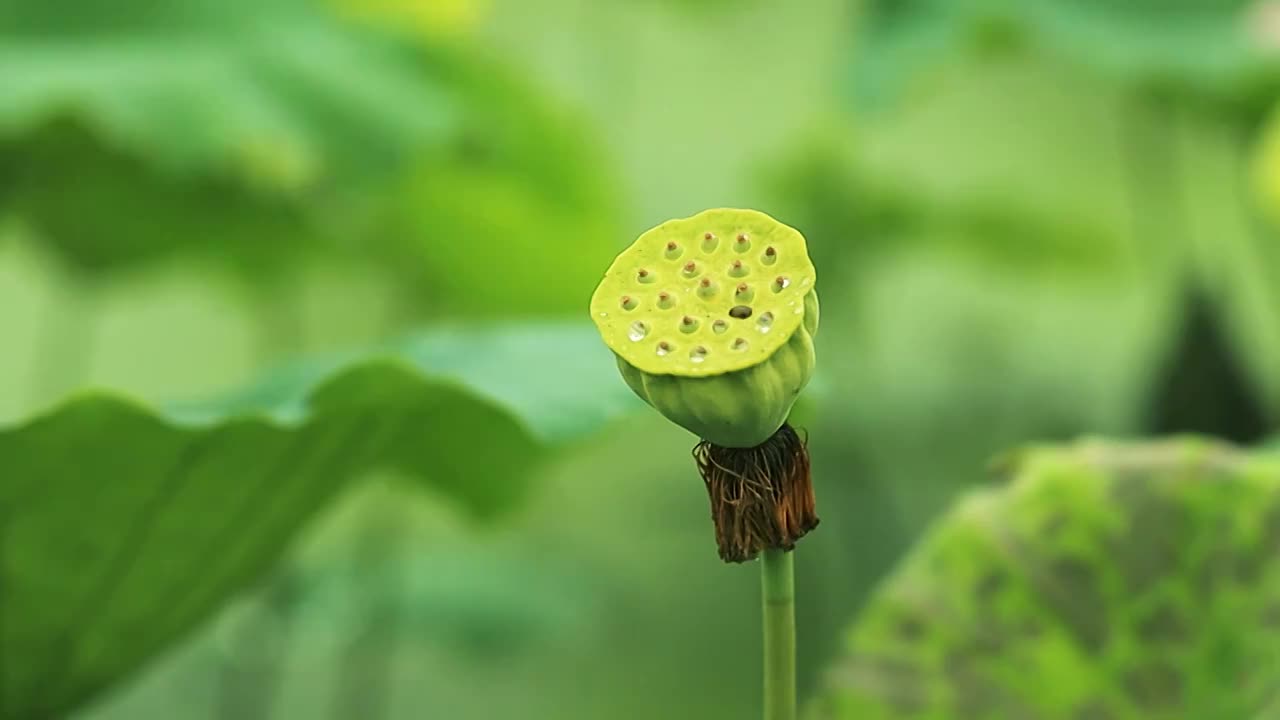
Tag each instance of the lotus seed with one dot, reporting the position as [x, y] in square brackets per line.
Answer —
[744, 293]
[781, 283]
[738, 269]
[688, 324]
[709, 242]
[740, 344]
[629, 303]
[765, 322]
[706, 288]
[665, 301]
[690, 269]
[740, 312]
[674, 250]
[743, 244]
[770, 256]
[664, 348]
[638, 331]
[698, 354]
[644, 276]
[720, 326]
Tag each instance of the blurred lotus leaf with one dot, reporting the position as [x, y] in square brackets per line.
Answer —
[130, 130]
[430, 18]
[962, 181]
[1225, 52]
[516, 215]
[459, 596]
[126, 527]
[1267, 170]
[1105, 580]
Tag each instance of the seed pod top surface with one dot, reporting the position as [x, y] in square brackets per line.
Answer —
[715, 293]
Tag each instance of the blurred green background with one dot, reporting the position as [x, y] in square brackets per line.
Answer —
[314, 258]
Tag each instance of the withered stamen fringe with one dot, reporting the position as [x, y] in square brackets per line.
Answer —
[761, 497]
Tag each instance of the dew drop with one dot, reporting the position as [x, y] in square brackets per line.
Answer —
[638, 331]
[765, 322]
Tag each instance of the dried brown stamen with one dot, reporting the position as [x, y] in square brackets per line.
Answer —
[761, 497]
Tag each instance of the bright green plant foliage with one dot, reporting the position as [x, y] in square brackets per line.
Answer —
[1104, 581]
[1267, 170]
[130, 130]
[516, 214]
[173, 517]
[1217, 50]
[712, 319]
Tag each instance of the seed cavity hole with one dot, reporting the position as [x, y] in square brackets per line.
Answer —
[719, 327]
[664, 348]
[765, 322]
[741, 312]
[637, 331]
[698, 354]
[739, 345]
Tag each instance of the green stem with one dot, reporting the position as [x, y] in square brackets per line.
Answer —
[777, 573]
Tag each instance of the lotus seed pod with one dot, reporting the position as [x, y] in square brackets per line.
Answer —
[718, 337]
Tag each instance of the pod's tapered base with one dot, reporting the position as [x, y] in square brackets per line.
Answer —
[761, 497]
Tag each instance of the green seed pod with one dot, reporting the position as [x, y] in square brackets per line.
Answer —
[712, 320]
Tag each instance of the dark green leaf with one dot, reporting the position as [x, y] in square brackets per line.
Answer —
[1215, 50]
[123, 527]
[130, 129]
